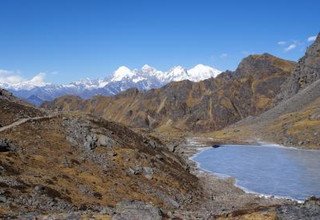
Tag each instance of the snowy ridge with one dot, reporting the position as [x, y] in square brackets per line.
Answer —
[122, 79]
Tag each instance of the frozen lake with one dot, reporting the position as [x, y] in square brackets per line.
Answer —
[269, 170]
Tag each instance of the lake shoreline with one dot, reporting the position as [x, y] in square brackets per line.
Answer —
[222, 195]
[236, 184]
[231, 167]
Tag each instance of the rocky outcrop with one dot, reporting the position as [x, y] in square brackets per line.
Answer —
[295, 120]
[127, 210]
[6, 145]
[76, 163]
[310, 209]
[305, 73]
[207, 105]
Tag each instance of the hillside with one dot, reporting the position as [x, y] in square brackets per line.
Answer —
[195, 106]
[305, 73]
[13, 109]
[62, 163]
[74, 165]
[296, 120]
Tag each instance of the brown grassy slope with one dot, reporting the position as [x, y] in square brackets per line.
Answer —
[44, 172]
[207, 105]
[294, 122]
[13, 109]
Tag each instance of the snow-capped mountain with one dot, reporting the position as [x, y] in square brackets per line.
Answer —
[36, 90]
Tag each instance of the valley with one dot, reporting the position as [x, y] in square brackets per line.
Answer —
[131, 155]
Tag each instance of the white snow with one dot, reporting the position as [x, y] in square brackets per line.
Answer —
[138, 79]
[177, 73]
[123, 76]
[202, 72]
[121, 73]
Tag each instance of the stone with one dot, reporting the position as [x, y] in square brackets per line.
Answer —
[90, 142]
[159, 156]
[105, 141]
[153, 144]
[3, 199]
[112, 154]
[128, 210]
[148, 172]
[39, 189]
[107, 210]
[172, 147]
[5, 145]
[135, 170]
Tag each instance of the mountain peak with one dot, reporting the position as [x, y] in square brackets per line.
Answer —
[202, 72]
[145, 78]
[146, 67]
[121, 73]
[177, 73]
[259, 64]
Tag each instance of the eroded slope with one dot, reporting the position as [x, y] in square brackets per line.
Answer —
[207, 105]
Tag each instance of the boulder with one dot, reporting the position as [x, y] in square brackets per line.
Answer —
[135, 170]
[105, 141]
[128, 210]
[148, 172]
[6, 145]
[90, 142]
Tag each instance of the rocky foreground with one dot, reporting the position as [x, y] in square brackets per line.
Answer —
[73, 165]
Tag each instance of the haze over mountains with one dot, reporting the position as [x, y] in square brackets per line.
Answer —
[36, 91]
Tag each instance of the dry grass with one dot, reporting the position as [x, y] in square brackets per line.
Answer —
[43, 161]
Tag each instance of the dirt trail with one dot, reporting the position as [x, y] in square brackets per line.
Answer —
[24, 120]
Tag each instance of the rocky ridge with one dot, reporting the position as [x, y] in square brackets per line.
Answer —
[305, 73]
[206, 105]
[295, 120]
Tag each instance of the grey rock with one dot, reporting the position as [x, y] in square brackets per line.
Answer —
[107, 210]
[112, 153]
[3, 199]
[39, 189]
[148, 172]
[306, 72]
[135, 170]
[128, 210]
[91, 142]
[310, 210]
[153, 144]
[105, 141]
[172, 147]
[159, 156]
[6, 145]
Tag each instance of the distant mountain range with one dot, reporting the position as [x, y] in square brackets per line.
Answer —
[207, 105]
[122, 79]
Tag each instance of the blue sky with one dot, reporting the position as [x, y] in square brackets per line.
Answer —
[73, 39]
